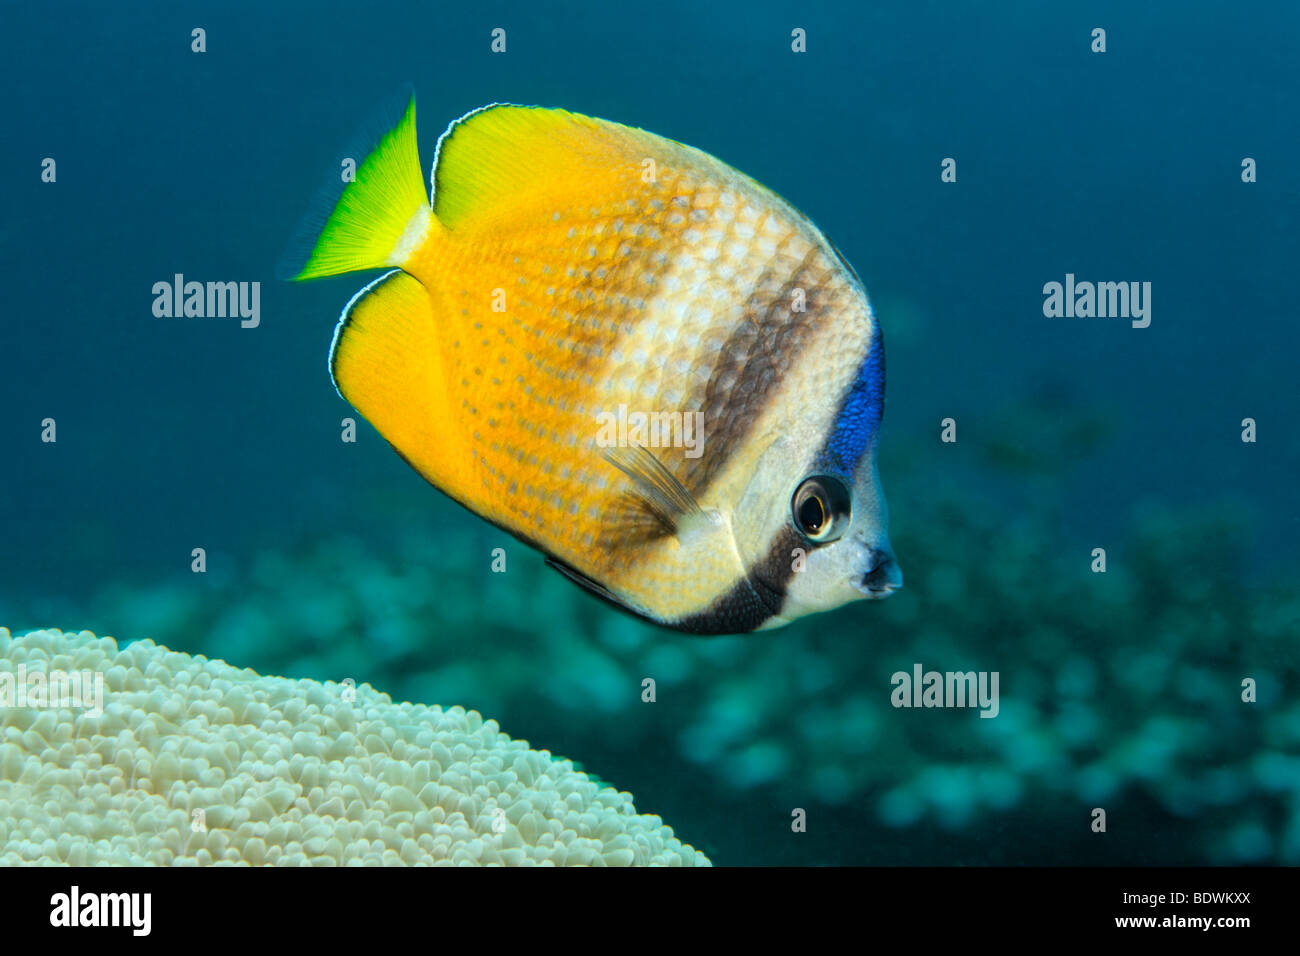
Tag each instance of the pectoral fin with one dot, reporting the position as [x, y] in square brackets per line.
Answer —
[658, 494]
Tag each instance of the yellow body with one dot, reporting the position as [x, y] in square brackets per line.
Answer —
[569, 266]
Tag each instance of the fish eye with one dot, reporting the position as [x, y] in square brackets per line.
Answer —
[821, 508]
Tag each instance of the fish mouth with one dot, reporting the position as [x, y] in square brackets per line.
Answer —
[882, 578]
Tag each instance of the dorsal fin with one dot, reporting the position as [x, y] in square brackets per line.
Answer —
[514, 154]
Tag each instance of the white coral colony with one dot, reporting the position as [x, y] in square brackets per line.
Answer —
[193, 761]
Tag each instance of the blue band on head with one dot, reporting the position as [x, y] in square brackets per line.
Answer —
[859, 415]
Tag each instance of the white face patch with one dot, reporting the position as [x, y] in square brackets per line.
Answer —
[836, 573]
[829, 577]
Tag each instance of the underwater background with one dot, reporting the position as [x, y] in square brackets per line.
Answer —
[325, 559]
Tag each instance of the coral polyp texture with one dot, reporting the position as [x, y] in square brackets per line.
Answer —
[193, 761]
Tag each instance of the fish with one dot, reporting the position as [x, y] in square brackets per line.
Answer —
[623, 352]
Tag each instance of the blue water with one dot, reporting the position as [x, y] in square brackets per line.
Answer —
[175, 433]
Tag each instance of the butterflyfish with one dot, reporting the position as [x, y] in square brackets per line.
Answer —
[625, 353]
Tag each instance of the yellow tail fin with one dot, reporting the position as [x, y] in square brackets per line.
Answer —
[378, 219]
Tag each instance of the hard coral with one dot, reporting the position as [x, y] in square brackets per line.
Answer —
[193, 761]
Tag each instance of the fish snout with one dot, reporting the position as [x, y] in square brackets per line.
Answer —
[883, 576]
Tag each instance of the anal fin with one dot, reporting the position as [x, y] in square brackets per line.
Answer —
[387, 361]
[592, 587]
